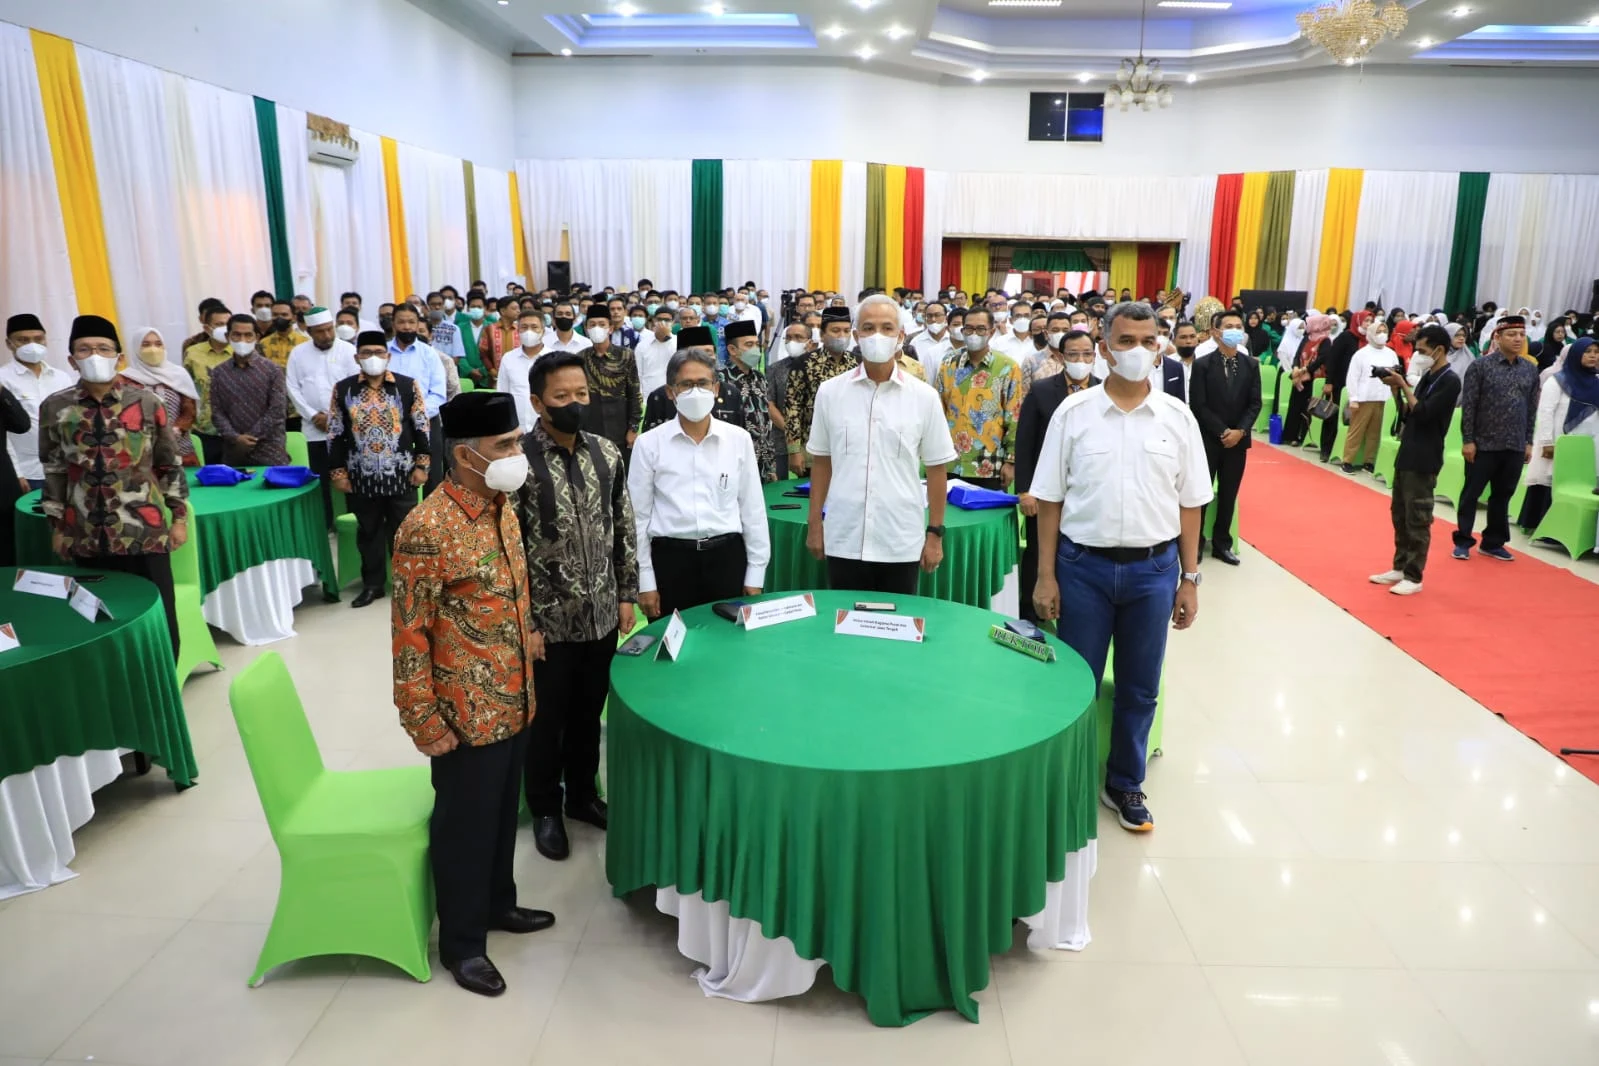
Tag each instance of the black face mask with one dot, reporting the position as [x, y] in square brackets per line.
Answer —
[563, 324]
[1186, 351]
[567, 418]
[406, 338]
[386, 323]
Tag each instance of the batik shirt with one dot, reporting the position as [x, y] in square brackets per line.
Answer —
[615, 405]
[278, 346]
[983, 404]
[378, 435]
[462, 645]
[199, 360]
[748, 389]
[577, 526]
[252, 399]
[804, 378]
[106, 462]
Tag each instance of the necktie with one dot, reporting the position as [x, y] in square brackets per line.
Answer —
[1228, 366]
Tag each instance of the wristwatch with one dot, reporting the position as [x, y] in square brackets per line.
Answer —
[937, 531]
[1195, 577]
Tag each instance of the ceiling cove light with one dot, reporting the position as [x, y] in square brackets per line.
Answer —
[1461, 12]
[1202, 5]
[895, 32]
[978, 75]
[566, 51]
[865, 52]
[1425, 42]
[835, 31]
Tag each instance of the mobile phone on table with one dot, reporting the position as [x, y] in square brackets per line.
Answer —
[1023, 628]
[636, 644]
[871, 605]
[786, 506]
[88, 579]
[728, 609]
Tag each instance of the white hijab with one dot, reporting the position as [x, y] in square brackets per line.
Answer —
[1288, 347]
[170, 374]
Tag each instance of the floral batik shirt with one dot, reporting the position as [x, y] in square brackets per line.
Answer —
[748, 388]
[378, 435]
[983, 403]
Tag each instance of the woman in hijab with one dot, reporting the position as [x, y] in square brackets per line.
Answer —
[1287, 349]
[171, 384]
[1460, 354]
[1399, 339]
[1332, 363]
[1554, 342]
[1311, 348]
[1569, 403]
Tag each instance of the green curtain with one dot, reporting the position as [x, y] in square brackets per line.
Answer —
[266, 126]
[1461, 292]
[705, 263]
[876, 224]
[1271, 262]
[474, 260]
[1055, 260]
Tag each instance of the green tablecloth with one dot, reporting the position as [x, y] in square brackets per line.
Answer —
[980, 548]
[884, 809]
[240, 526]
[74, 686]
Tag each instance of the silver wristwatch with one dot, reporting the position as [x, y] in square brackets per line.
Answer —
[1195, 577]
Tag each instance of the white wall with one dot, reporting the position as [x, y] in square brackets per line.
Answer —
[380, 65]
[1446, 119]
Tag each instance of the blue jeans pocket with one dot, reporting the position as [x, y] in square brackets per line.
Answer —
[1069, 552]
[1166, 561]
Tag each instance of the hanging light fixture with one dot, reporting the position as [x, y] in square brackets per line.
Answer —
[1349, 29]
[1140, 81]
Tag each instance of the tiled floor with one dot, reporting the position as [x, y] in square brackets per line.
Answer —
[1354, 865]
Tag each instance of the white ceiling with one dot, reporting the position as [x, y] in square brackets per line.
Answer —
[959, 39]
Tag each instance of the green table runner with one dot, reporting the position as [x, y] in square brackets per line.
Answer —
[240, 527]
[76, 686]
[885, 811]
[980, 549]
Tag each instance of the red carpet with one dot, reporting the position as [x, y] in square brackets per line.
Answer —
[1516, 637]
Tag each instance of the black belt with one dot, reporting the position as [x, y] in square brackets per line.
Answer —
[1128, 555]
[704, 544]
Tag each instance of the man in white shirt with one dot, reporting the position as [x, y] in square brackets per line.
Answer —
[314, 368]
[655, 349]
[565, 340]
[515, 366]
[1017, 344]
[1120, 483]
[877, 423]
[697, 503]
[933, 343]
[30, 379]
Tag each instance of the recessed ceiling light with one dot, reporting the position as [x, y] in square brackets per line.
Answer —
[1461, 12]
[1085, 77]
[504, 3]
[1203, 5]
[1594, 21]
[1425, 42]
[835, 31]
[1349, 62]
[1058, 100]
[716, 10]
[1192, 78]
[864, 5]
[865, 51]
[978, 75]
[1023, 3]
[566, 51]
[895, 32]
[627, 11]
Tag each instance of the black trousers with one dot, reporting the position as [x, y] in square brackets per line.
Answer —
[899, 578]
[1498, 472]
[377, 519]
[317, 453]
[472, 840]
[1329, 428]
[687, 576]
[154, 567]
[564, 738]
[1027, 571]
[1227, 468]
[1411, 510]
[210, 448]
[1296, 423]
[436, 450]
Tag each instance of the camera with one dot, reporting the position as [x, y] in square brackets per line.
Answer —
[1381, 371]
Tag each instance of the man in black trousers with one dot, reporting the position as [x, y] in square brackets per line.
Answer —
[1498, 406]
[1225, 397]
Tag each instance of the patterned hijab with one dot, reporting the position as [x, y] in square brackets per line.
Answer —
[1581, 384]
[1317, 327]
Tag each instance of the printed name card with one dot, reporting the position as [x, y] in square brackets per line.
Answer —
[39, 583]
[775, 612]
[672, 639]
[883, 626]
[8, 637]
[86, 603]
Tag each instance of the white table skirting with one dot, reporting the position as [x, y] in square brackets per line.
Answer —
[741, 963]
[39, 811]
[257, 606]
[1007, 601]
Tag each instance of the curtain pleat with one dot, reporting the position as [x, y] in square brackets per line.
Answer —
[1251, 209]
[66, 120]
[1123, 266]
[1154, 269]
[1401, 256]
[974, 268]
[1276, 226]
[496, 235]
[474, 256]
[935, 187]
[1224, 235]
[913, 225]
[852, 231]
[524, 272]
[294, 161]
[827, 190]
[1304, 237]
[417, 200]
[1540, 241]
[1193, 269]
[1339, 220]
[266, 128]
[372, 251]
[893, 227]
[949, 264]
[766, 234]
[706, 267]
[1465, 249]
[399, 248]
[876, 211]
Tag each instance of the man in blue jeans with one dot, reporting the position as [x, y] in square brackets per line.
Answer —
[1120, 483]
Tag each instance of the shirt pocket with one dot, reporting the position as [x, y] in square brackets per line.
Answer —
[1160, 462]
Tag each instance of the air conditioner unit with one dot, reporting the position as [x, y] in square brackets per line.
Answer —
[339, 153]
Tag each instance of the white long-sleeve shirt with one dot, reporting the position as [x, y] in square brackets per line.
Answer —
[1553, 403]
[310, 378]
[652, 356]
[30, 391]
[512, 378]
[1360, 386]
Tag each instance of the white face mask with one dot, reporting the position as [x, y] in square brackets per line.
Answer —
[957, 335]
[30, 353]
[976, 342]
[449, 304]
[263, 314]
[1054, 339]
[531, 338]
[694, 404]
[505, 475]
[1135, 363]
[242, 347]
[1379, 340]
[795, 348]
[220, 334]
[344, 333]
[878, 348]
[374, 366]
[1001, 316]
[936, 329]
[97, 369]
[1078, 371]
[739, 305]
[671, 305]
[1419, 365]
[598, 335]
[1021, 325]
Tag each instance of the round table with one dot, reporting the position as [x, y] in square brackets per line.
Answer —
[981, 549]
[75, 695]
[798, 797]
[259, 547]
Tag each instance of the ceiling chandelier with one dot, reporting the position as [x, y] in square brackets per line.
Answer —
[1348, 29]
[1140, 81]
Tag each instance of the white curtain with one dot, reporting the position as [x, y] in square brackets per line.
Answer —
[935, 186]
[1193, 253]
[1072, 206]
[766, 222]
[496, 241]
[1402, 239]
[1304, 234]
[599, 220]
[542, 183]
[371, 257]
[294, 160]
[415, 184]
[130, 134]
[1540, 241]
[852, 232]
[663, 223]
[433, 188]
[35, 271]
[625, 218]
[330, 213]
[221, 193]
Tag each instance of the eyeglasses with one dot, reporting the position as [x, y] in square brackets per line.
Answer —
[85, 351]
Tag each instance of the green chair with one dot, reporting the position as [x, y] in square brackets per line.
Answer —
[299, 451]
[1105, 706]
[1209, 525]
[1268, 391]
[349, 552]
[353, 845]
[1573, 509]
[1388, 445]
[197, 644]
[199, 449]
[467, 384]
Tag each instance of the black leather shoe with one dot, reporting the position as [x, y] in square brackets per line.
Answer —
[1226, 556]
[478, 975]
[524, 920]
[549, 836]
[593, 811]
[366, 596]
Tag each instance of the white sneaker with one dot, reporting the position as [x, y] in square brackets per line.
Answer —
[1406, 588]
[1390, 577]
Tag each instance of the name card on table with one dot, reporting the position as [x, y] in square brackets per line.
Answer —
[86, 603]
[775, 612]
[876, 624]
[1039, 650]
[672, 639]
[39, 583]
[8, 637]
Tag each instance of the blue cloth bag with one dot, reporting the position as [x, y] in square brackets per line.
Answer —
[288, 477]
[219, 476]
[972, 498]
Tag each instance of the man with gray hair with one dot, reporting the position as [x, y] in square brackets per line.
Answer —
[892, 423]
[658, 407]
[1120, 484]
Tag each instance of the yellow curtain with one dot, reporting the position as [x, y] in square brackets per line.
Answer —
[67, 121]
[974, 268]
[1124, 266]
[399, 250]
[827, 201]
[1251, 210]
[893, 227]
[1338, 237]
[518, 233]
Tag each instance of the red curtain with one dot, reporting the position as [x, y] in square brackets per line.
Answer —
[1224, 235]
[949, 268]
[1154, 261]
[913, 227]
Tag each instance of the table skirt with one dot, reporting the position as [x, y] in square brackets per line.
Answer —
[740, 963]
[257, 606]
[39, 811]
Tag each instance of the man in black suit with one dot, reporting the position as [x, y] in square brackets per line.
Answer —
[1178, 371]
[1225, 397]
